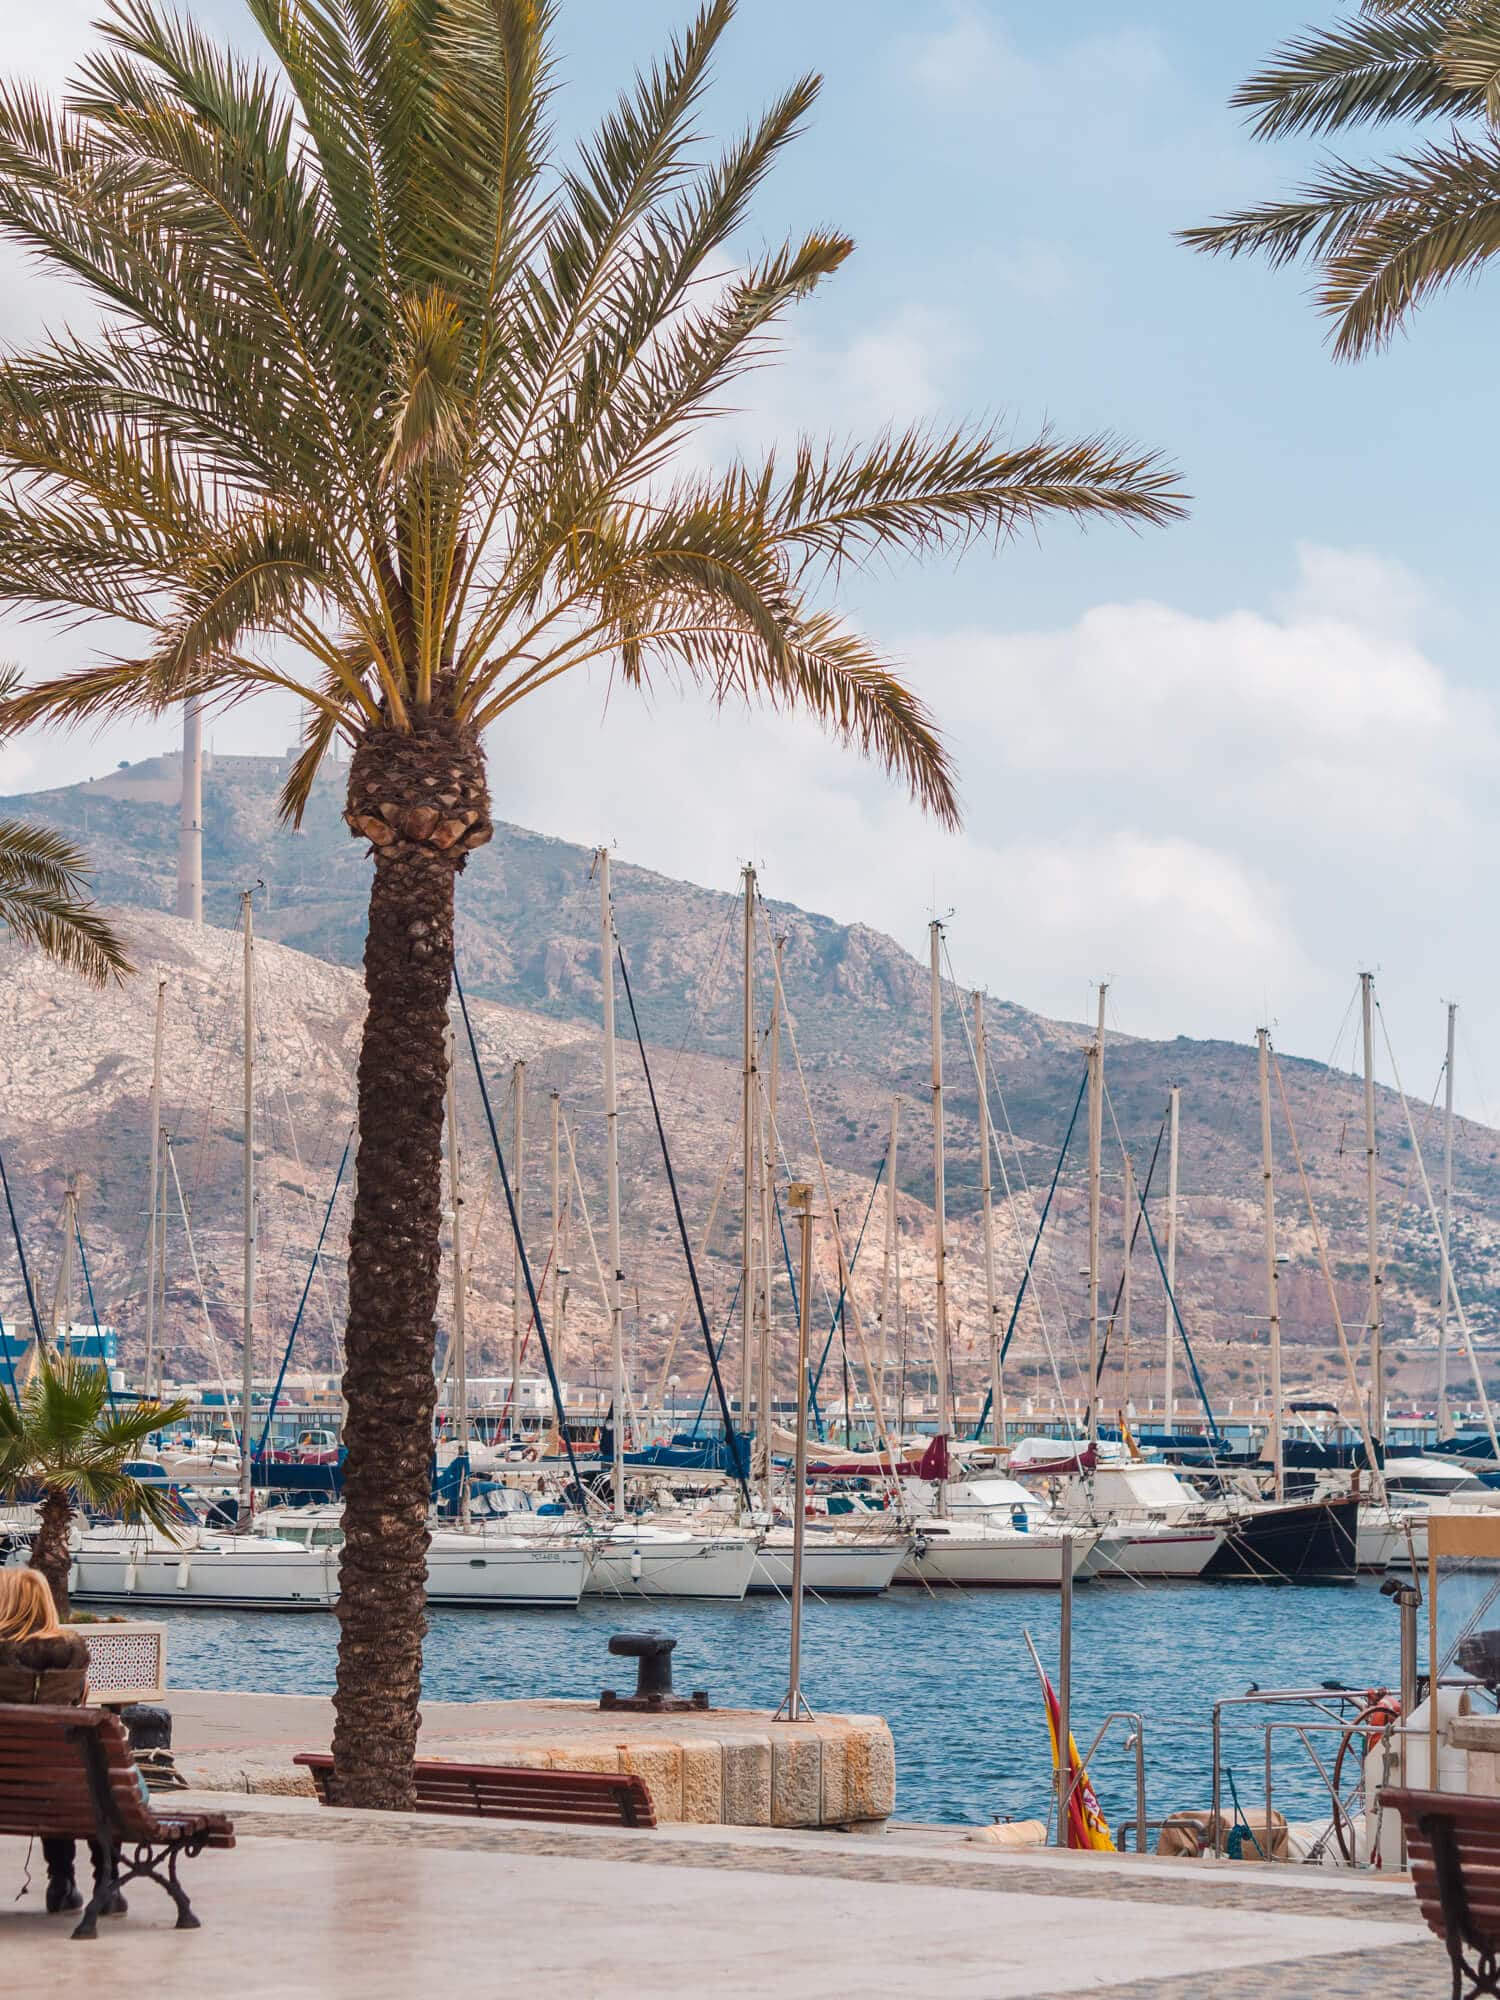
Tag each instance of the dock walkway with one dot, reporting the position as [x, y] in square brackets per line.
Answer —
[341, 1905]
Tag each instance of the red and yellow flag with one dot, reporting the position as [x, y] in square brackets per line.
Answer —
[1087, 1826]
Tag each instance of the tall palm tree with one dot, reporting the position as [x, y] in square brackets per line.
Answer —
[44, 898]
[390, 409]
[1384, 234]
[61, 1437]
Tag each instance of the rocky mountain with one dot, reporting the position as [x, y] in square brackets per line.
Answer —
[75, 1073]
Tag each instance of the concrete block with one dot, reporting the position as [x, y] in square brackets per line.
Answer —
[747, 1780]
[869, 1770]
[586, 1756]
[703, 1782]
[796, 1779]
[834, 1806]
[660, 1764]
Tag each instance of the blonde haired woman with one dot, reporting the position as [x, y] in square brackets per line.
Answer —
[43, 1661]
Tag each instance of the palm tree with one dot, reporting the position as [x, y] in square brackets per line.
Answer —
[61, 1436]
[390, 410]
[43, 896]
[1384, 234]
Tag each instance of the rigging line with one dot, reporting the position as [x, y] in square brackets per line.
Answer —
[88, 1285]
[982, 1083]
[524, 1260]
[1444, 1252]
[1215, 1436]
[838, 1311]
[317, 1254]
[734, 1440]
[576, 1188]
[708, 1230]
[723, 1342]
[307, 1211]
[1333, 1298]
[15, 1230]
[1135, 1229]
[208, 1318]
[1015, 1311]
[697, 1027]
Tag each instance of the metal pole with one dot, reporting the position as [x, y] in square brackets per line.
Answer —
[939, 1201]
[1064, 1689]
[1128, 1217]
[612, 1174]
[1445, 1421]
[157, 1207]
[460, 1338]
[1169, 1393]
[517, 1291]
[794, 1707]
[748, 1115]
[1273, 1283]
[1408, 1599]
[1096, 1152]
[986, 1189]
[769, 1161]
[247, 1375]
[892, 1251]
[1372, 1225]
[190, 818]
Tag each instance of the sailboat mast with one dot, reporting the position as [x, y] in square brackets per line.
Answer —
[158, 1205]
[1372, 1221]
[1169, 1372]
[888, 1268]
[1445, 1421]
[749, 1111]
[190, 817]
[460, 1283]
[1273, 1282]
[986, 1189]
[247, 1375]
[612, 1177]
[1096, 1153]
[939, 1195]
[555, 1257]
[1127, 1217]
[517, 1290]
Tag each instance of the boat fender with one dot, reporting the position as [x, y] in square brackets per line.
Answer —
[130, 1582]
[184, 1572]
[635, 1565]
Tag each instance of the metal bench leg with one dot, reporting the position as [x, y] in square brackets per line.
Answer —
[106, 1887]
[186, 1921]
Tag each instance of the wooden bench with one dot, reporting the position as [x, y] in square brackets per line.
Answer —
[508, 1791]
[69, 1771]
[1453, 1850]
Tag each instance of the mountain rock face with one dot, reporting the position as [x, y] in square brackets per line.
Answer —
[75, 1079]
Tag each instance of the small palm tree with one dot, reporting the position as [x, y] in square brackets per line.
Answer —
[1384, 234]
[43, 895]
[394, 409]
[61, 1438]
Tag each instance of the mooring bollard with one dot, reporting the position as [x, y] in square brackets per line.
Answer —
[652, 1653]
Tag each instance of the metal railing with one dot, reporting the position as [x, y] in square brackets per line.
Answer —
[1135, 1741]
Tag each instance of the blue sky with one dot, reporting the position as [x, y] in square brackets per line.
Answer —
[1224, 765]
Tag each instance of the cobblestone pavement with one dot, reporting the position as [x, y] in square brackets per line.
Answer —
[1405, 1972]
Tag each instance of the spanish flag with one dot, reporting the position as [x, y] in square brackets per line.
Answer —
[1087, 1826]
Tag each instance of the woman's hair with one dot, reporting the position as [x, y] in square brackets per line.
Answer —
[26, 1607]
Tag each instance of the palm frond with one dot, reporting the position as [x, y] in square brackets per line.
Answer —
[1378, 67]
[44, 903]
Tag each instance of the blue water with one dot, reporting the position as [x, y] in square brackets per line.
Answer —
[950, 1673]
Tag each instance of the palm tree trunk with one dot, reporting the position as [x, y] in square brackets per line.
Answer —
[49, 1549]
[420, 800]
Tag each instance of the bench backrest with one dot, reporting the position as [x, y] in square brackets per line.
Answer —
[1453, 1848]
[61, 1768]
[504, 1791]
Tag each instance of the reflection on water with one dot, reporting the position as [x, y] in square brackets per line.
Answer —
[950, 1673]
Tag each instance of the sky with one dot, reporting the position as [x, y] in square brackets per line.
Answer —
[1224, 766]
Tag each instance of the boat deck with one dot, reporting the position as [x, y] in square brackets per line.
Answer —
[381, 1906]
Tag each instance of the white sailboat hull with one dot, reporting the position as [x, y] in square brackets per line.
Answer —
[955, 1555]
[830, 1569]
[241, 1572]
[1156, 1552]
[686, 1566]
[475, 1571]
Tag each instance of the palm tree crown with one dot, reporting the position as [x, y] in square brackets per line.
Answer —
[1384, 234]
[62, 1437]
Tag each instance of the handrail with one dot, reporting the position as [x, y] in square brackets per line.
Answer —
[1135, 1741]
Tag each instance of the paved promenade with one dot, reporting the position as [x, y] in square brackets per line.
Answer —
[320, 1905]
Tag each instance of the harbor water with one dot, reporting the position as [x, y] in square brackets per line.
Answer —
[950, 1673]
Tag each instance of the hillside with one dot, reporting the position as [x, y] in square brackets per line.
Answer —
[74, 1074]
